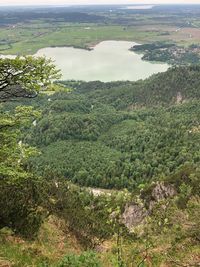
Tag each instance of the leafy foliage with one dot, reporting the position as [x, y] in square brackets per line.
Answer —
[86, 259]
[21, 192]
[117, 136]
[90, 218]
[24, 77]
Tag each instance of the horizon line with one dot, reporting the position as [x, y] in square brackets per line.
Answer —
[97, 4]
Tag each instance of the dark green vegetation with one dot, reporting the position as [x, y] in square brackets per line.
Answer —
[24, 31]
[170, 53]
[119, 135]
[84, 260]
[113, 135]
[26, 199]
[23, 77]
[20, 193]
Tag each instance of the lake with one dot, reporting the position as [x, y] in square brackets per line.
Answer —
[138, 7]
[108, 61]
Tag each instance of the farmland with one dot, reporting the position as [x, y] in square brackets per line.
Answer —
[25, 31]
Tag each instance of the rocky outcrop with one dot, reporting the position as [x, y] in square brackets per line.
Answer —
[161, 191]
[134, 214]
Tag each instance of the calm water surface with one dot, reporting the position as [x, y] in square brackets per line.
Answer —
[108, 61]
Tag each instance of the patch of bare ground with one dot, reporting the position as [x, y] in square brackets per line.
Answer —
[186, 34]
[5, 263]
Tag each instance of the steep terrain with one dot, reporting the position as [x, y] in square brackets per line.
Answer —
[139, 139]
[119, 135]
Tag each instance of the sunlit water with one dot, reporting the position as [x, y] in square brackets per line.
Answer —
[108, 61]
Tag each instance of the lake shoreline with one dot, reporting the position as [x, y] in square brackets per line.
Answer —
[107, 61]
[88, 47]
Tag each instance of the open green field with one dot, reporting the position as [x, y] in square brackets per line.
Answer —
[19, 35]
[27, 40]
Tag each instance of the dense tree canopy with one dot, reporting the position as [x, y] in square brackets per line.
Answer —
[21, 192]
[24, 77]
[115, 135]
[118, 135]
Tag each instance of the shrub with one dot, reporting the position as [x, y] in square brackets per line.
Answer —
[86, 259]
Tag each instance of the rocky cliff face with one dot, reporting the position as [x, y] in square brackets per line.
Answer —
[161, 191]
[135, 214]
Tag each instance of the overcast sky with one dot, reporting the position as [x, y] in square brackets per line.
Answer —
[71, 2]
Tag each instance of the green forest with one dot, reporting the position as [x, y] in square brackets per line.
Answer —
[169, 52]
[60, 140]
[119, 135]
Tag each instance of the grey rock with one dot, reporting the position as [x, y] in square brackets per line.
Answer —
[134, 214]
[161, 191]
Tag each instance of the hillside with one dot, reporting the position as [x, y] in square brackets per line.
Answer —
[142, 130]
[140, 140]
